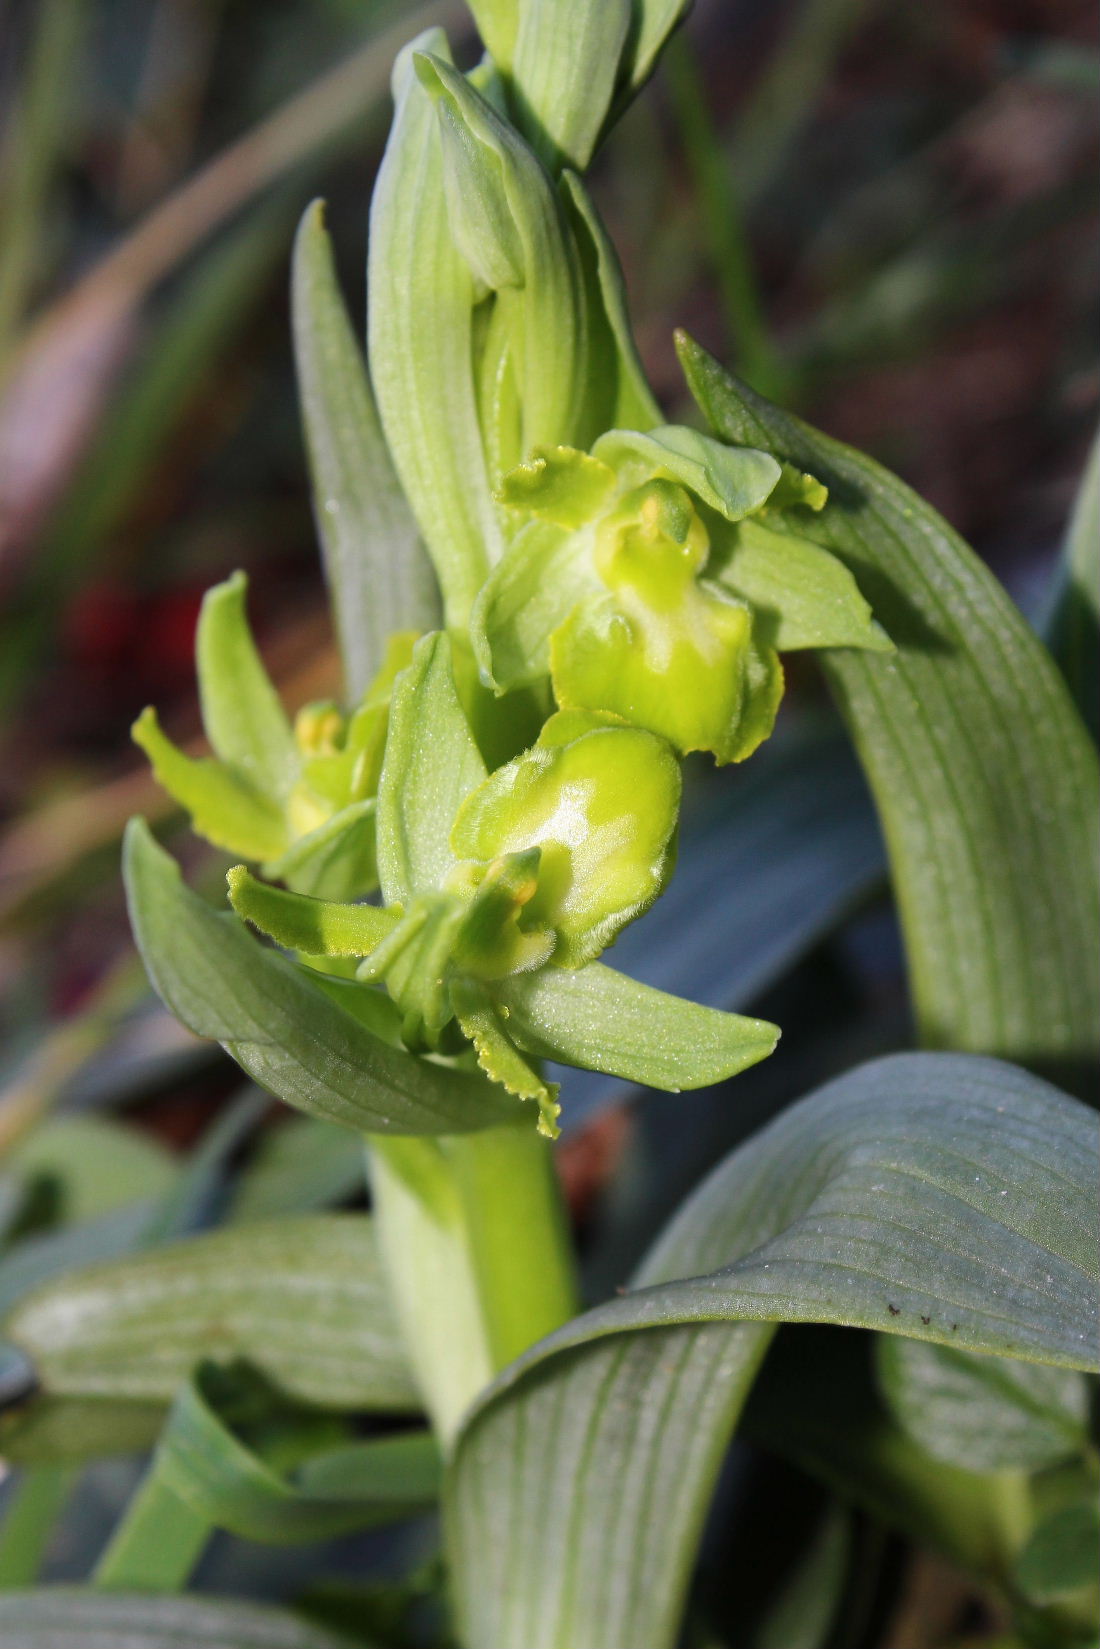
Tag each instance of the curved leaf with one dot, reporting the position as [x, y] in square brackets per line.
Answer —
[241, 711]
[945, 1197]
[280, 1024]
[985, 779]
[303, 1299]
[376, 569]
[78, 1617]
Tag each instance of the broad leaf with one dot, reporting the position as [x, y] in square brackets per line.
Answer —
[303, 1299]
[984, 776]
[987, 1413]
[78, 1617]
[93, 1164]
[603, 1021]
[431, 765]
[241, 711]
[948, 1198]
[280, 1023]
[374, 563]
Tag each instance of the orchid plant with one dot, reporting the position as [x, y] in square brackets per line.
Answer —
[547, 599]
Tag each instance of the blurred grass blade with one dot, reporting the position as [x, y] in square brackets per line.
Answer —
[31, 1510]
[802, 1616]
[302, 1299]
[985, 778]
[77, 1617]
[1073, 627]
[378, 575]
[33, 147]
[876, 1202]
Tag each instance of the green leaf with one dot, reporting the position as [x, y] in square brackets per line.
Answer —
[297, 1167]
[983, 1413]
[876, 1202]
[984, 776]
[95, 1164]
[601, 803]
[508, 222]
[224, 807]
[79, 1617]
[241, 711]
[1073, 626]
[279, 1022]
[526, 597]
[801, 595]
[1060, 1557]
[602, 1021]
[563, 75]
[315, 926]
[202, 1460]
[304, 1300]
[732, 480]
[431, 765]
[374, 563]
[654, 22]
[421, 297]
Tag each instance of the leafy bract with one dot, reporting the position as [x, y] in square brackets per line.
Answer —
[376, 570]
[984, 776]
[280, 1022]
[304, 1300]
[948, 1198]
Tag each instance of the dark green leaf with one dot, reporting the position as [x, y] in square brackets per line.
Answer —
[1073, 627]
[984, 1413]
[1060, 1557]
[379, 577]
[279, 1022]
[875, 1202]
[984, 776]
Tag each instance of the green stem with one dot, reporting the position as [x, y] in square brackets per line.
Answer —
[32, 1513]
[723, 224]
[157, 1543]
[475, 1240]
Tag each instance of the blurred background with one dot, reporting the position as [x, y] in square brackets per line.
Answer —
[881, 212]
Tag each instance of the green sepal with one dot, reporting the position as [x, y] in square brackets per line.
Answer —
[602, 808]
[801, 595]
[241, 711]
[431, 764]
[735, 481]
[317, 926]
[559, 484]
[526, 597]
[491, 943]
[601, 1020]
[223, 806]
[498, 1056]
[337, 860]
[564, 73]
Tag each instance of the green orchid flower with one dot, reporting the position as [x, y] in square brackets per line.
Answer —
[658, 578]
[299, 800]
[502, 889]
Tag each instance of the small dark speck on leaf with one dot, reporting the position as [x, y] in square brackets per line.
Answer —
[954, 1326]
[925, 1320]
[894, 1310]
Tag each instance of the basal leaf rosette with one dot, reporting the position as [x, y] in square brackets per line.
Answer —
[658, 578]
[490, 947]
[297, 798]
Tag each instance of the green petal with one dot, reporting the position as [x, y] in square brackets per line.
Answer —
[223, 807]
[524, 600]
[241, 711]
[802, 596]
[498, 1056]
[559, 484]
[732, 480]
[316, 926]
[603, 809]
